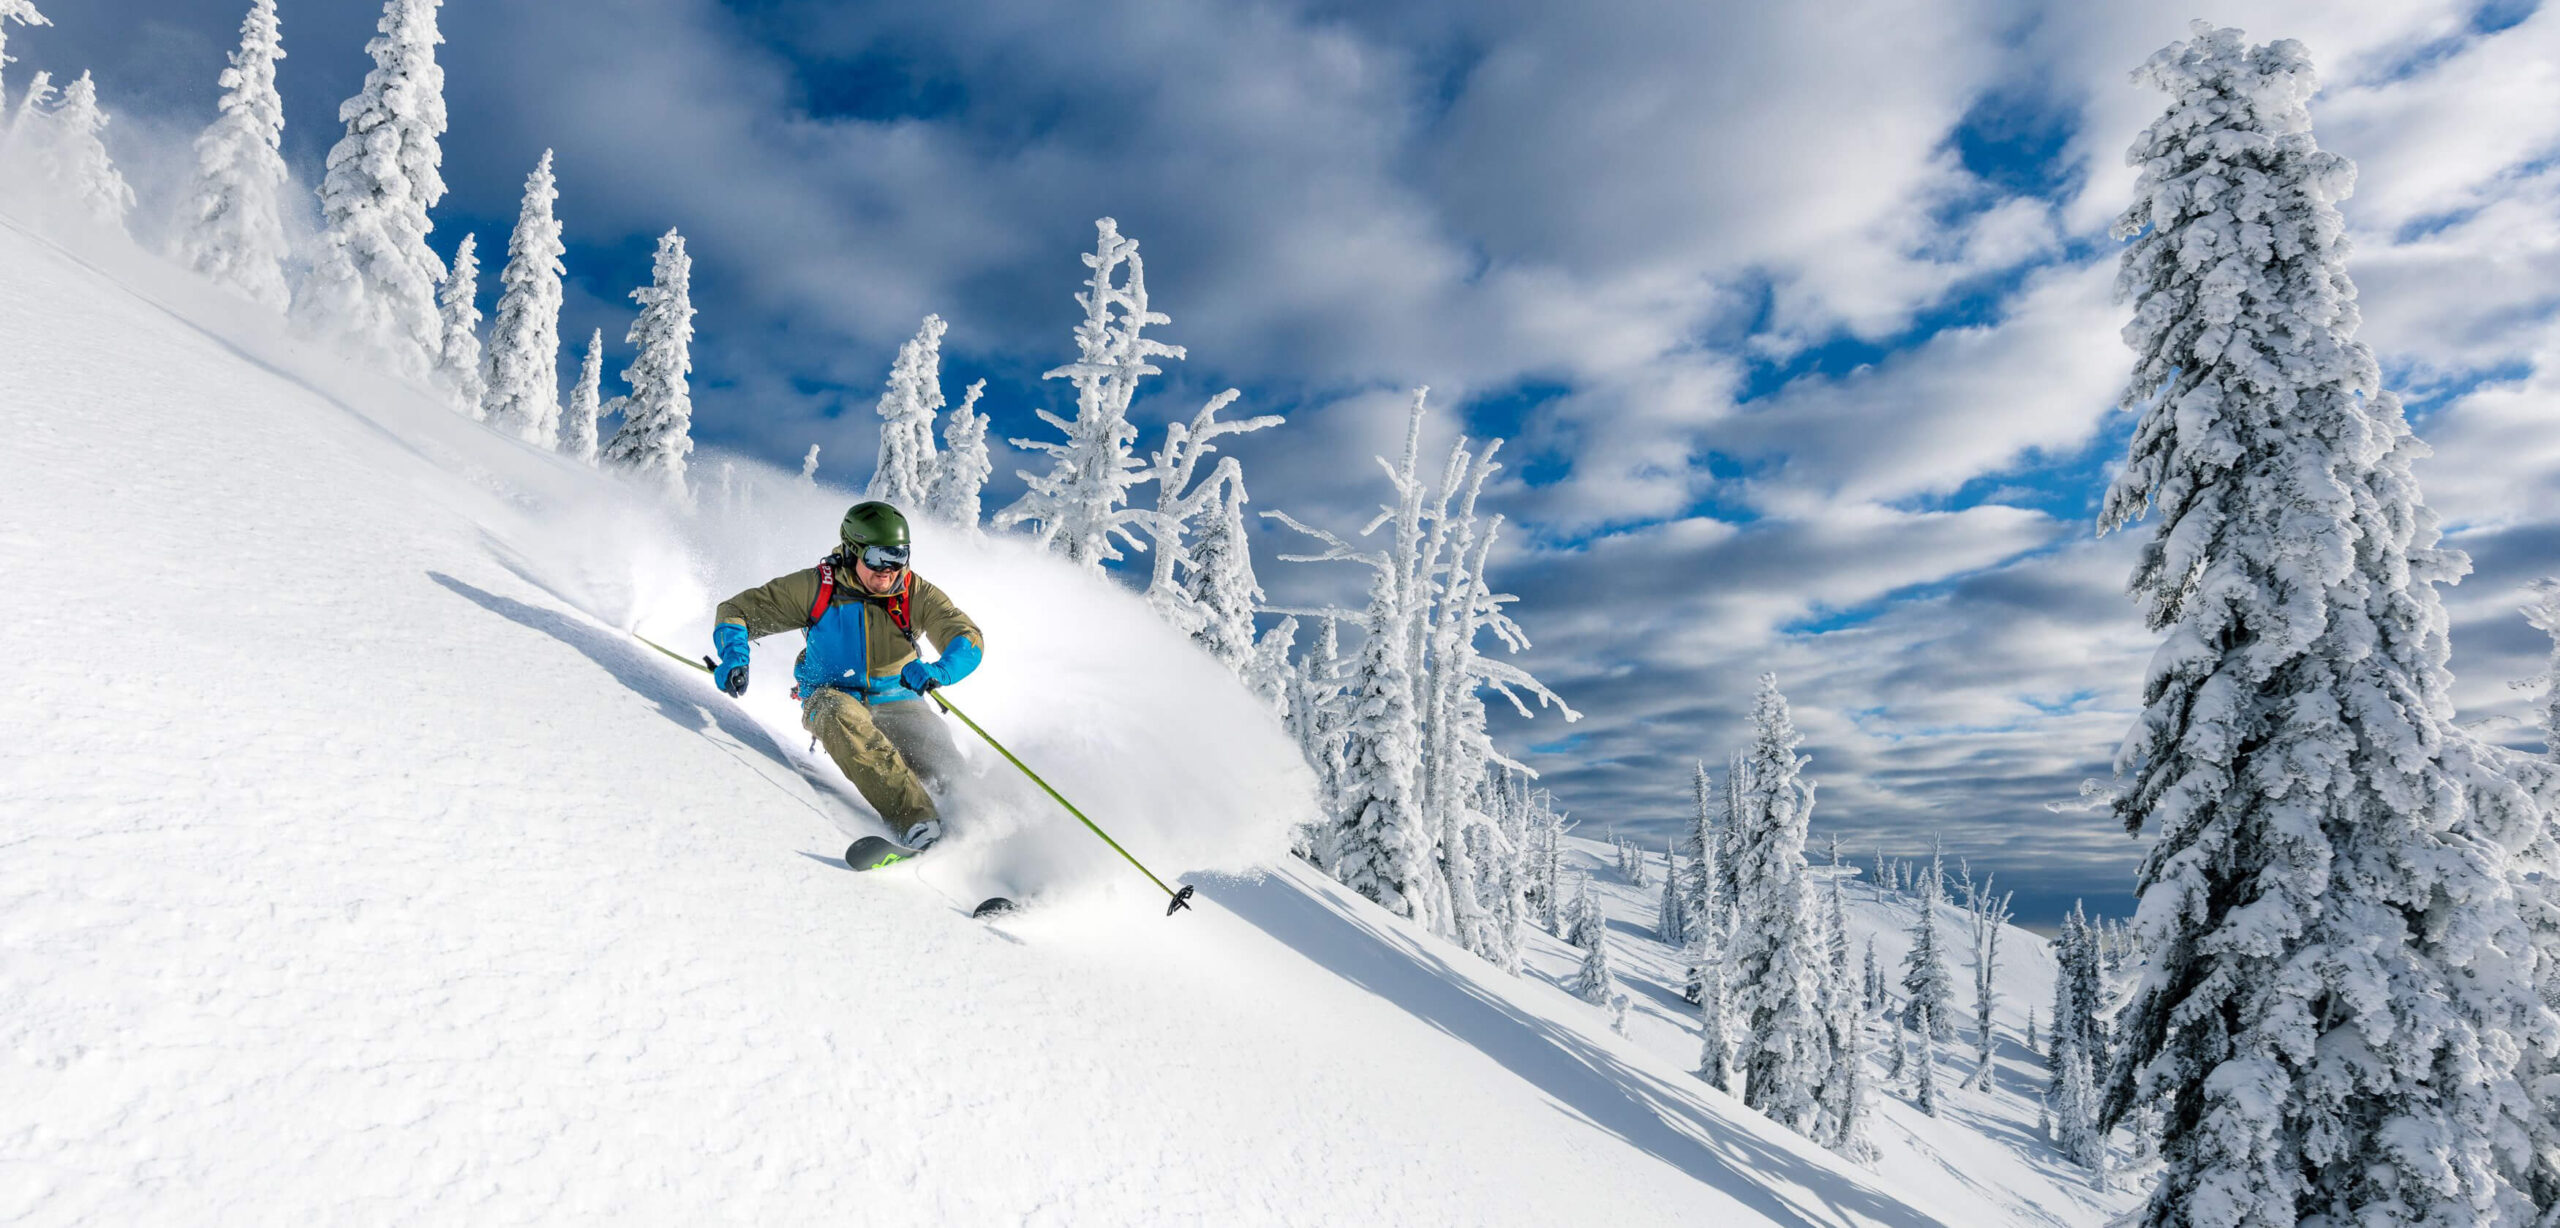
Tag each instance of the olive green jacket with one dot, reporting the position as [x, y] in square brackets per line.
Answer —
[783, 605]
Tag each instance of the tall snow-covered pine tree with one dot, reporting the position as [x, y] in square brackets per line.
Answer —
[586, 405]
[523, 397]
[373, 281]
[657, 417]
[1775, 959]
[234, 232]
[458, 360]
[75, 157]
[2334, 998]
[961, 474]
[908, 406]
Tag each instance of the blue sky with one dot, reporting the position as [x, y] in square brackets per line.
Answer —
[1798, 318]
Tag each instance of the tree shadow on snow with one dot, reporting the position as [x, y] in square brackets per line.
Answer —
[1319, 921]
[640, 671]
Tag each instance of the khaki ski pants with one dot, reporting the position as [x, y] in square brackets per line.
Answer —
[891, 752]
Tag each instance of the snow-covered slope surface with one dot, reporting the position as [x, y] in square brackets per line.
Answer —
[355, 866]
[1983, 1152]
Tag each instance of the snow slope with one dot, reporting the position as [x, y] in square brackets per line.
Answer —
[1983, 1152]
[360, 868]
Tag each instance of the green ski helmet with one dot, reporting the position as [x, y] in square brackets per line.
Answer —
[875, 527]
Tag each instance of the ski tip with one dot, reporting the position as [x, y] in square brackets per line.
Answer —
[995, 906]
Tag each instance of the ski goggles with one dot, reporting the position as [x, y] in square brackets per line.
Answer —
[881, 558]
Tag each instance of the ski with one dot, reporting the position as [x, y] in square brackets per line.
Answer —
[873, 852]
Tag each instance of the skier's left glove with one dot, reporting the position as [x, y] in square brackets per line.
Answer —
[958, 662]
[731, 673]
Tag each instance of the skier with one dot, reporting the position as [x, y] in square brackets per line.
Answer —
[862, 677]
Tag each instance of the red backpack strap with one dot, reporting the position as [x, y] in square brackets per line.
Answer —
[826, 592]
[900, 615]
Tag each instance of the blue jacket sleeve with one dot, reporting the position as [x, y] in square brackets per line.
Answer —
[958, 661]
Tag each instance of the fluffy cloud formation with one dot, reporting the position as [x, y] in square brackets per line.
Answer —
[1799, 318]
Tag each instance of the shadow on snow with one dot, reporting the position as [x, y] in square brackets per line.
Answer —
[1669, 1123]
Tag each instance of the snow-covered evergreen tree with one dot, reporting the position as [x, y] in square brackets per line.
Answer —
[2030, 1039]
[1927, 987]
[24, 13]
[1267, 671]
[74, 157]
[1320, 722]
[373, 281]
[586, 405]
[2072, 1101]
[2081, 988]
[657, 418]
[1670, 920]
[1171, 587]
[1384, 846]
[1596, 983]
[1221, 586]
[1500, 845]
[28, 126]
[1773, 958]
[523, 397]
[1418, 681]
[458, 360]
[1585, 922]
[1081, 504]
[1715, 1026]
[1701, 843]
[2537, 885]
[1876, 993]
[1844, 1079]
[961, 474]
[235, 213]
[2335, 997]
[1924, 1070]
[905, 473]
[1383, 850]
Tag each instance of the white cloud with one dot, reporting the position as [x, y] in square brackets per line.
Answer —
[1967, 402]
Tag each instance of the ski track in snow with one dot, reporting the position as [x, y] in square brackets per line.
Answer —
[360, 870]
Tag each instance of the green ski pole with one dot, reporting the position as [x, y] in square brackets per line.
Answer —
[706, 665]
[1181, 899]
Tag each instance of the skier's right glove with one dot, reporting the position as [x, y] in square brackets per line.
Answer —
[731, 672]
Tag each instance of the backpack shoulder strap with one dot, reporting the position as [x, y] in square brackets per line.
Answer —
[826, 592]
[901, 609]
